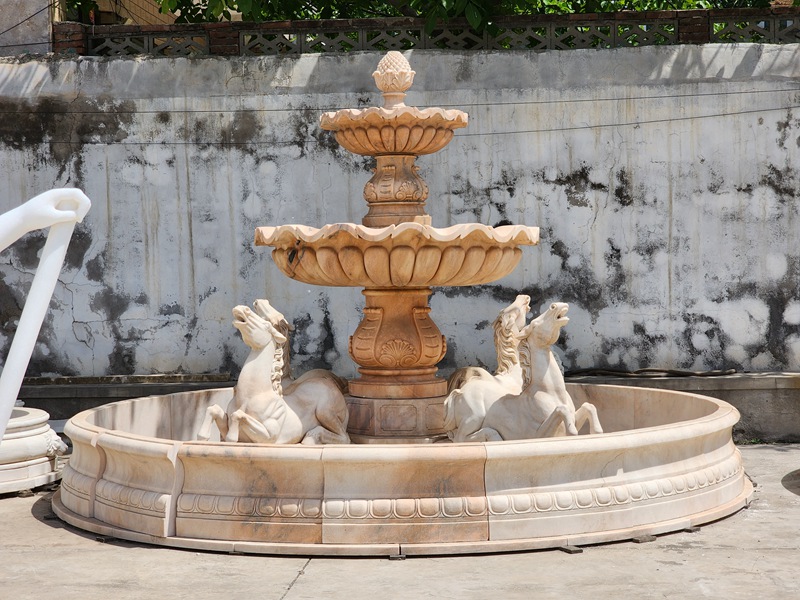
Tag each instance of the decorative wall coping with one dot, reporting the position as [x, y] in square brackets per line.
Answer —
[538, 33]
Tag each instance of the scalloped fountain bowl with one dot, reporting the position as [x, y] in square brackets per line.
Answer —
[405, 255]
[665, 463]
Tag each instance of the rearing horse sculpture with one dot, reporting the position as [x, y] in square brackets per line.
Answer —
[266, 311]
[507, 327]
[544, 408]
[309, 411]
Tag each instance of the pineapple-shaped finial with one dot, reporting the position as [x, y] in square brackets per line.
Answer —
[393, 77]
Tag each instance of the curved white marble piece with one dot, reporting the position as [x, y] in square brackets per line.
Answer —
[60, 209]
[28, 451]
[666, 462]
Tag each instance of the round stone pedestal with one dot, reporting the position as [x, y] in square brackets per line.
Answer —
[28, 451]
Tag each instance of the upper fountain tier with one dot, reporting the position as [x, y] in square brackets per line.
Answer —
[396, 246]
[395, 134]
[393, 128]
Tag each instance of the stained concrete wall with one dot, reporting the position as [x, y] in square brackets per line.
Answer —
[665, 181]
[26, 27]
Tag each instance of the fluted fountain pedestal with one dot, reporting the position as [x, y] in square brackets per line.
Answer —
[397, 345]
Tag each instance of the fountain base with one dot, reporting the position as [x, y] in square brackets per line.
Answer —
[665, 463]
[396, 421]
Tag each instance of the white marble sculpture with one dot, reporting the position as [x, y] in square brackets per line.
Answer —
[309, 410]
[58, 209]
[288, 383]
[480, 410]
[507, 327]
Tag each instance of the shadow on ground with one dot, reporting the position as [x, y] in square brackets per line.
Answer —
[791, 481]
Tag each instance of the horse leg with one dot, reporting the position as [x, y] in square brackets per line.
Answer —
[560, 414]
[255, 430]
[216, 414]
[467, 428]
[587, 412]
[485, 434]
[232, 435]
[322, 435]
[331, 429]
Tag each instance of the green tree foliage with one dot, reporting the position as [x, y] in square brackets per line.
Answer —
[479, 13]
[79, 10]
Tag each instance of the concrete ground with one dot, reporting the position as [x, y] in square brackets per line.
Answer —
[752, 554]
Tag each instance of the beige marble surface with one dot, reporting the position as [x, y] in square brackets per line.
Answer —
[677, 467]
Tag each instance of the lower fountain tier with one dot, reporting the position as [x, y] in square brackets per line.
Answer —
[667, 462]
[397, 256]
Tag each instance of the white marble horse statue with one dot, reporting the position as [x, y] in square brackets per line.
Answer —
[477, 412]
[266, 311]
[507, 327]
[310, 410]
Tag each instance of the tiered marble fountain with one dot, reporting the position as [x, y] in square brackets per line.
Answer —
[663, 462]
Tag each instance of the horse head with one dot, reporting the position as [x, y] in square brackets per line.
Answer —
[507, 327]
[543, 331]
[257, 332]
[273, 315]
[512, 317]
[279, 322]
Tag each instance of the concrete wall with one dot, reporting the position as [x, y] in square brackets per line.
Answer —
[25, 35]
[665, 181]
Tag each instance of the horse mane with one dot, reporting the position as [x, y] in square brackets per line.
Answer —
[277, 370]
[525, 361]
[284, 328]
[505, 344]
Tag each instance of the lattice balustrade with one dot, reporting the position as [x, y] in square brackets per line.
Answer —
[332, 41]
[645, 34]
[742, 31]
[776, 30]
[454, 38]
[257, 43]
[392, 39]
[183, 44]
[787, 31]
[179, 45]
[594, 35]
[522, 38]
[534, 33]
[126, 45]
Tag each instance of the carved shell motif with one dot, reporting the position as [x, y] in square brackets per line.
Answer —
[397, 353]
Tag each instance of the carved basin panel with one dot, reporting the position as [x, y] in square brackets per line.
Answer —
[406, 255]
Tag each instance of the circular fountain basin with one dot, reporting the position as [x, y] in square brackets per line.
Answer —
[665, 463]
